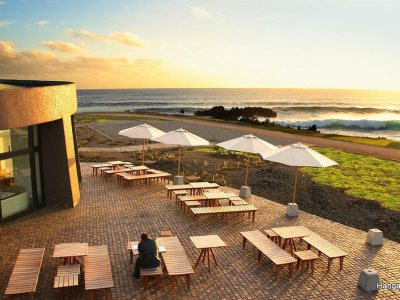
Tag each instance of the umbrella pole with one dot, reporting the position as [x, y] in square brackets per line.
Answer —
[247, 169]
[295, 185]
[179, 160]
[144, 141]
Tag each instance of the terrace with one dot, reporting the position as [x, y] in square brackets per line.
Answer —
[110, 214]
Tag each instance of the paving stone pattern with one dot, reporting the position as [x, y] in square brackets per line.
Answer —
[110, 214]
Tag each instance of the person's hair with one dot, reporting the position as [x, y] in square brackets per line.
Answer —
[144, 236]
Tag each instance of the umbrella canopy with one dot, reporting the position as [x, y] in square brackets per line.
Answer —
[298, 155]
[247, 143]
[181, 137]
[142, 131]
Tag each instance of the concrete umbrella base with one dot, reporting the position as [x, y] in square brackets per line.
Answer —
[292, 210]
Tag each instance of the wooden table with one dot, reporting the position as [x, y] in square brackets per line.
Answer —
[116, 163]
[139, 169]
[175, 259]
[206, 243]
[96, 167]
[198, 187]
[70, 251]
[213, 197]
[288, 234]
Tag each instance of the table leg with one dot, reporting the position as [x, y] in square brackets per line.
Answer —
[198, 260]
[302, 266]
[341, 262]
[244, 242]
[284, 243]
[187, 280]
[213, 256]
[329, 264]
[312, 266]
[290, 269]
[277, 270]
[208, 259]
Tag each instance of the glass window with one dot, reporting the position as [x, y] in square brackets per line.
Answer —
[15, 185]
[38, 179]
[35, 136]
[14, 139]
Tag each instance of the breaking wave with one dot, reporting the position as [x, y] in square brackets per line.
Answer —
[367, 125]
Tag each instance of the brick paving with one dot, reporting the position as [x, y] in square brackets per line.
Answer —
[110, 214]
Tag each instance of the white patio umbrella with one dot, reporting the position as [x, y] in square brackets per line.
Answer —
[181, 137]
[142, 131]
[298, 155]
[247, 143]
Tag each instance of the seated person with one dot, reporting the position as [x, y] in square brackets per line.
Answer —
[148, 255]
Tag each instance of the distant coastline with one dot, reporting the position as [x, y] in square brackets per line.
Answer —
[364, 113]
[383, 148]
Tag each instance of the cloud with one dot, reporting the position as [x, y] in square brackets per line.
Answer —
[63, 47]
[125, 38]
[7, 49]
[6, 23]
[200, 12]
[87, 71]
[40, 23]
[86, 34]
[2, 2]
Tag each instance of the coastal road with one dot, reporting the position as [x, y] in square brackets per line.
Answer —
[218, 131]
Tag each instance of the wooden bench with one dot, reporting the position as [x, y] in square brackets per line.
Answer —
[272, 236]
[153, 171]
[147, 273]
[108, 173]
[237, 202]
[25, 275]
[95, 168]
[325, 247]
[190, 204]
[225, 210]
[180, 193]
[98, 274]
[147, 178]
[271, 250]
[171, 188]
[63, 282]
[183, 199]
[175, 258]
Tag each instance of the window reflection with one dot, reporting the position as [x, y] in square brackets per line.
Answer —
[15, 185]
[14, 139]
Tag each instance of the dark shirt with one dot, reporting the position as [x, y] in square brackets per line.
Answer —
[148, 252]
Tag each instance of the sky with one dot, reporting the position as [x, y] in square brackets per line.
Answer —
[208, 43]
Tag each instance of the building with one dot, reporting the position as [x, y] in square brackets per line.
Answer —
[38, 151]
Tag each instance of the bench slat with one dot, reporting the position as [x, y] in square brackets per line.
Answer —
[25, 274]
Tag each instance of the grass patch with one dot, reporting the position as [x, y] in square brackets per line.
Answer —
[108, 117]
[365, 140]
[362, 176]
[221, 151]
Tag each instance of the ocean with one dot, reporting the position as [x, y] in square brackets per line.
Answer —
[371, 113]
